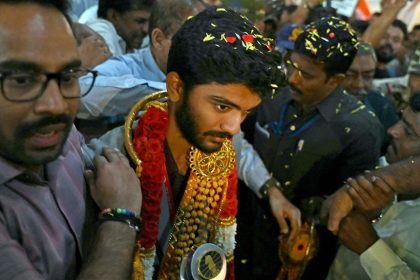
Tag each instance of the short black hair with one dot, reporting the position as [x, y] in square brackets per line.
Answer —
[416, 27]
[414, 102]
[330, 41]
[319, 12]
[122, 6]
[61, 5]
[290, 8]
[402, 26]
[364, 48]
[221, 46]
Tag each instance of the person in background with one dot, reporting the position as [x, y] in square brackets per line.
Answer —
[93, 49]
[126, 79]
[414, 36]
[400, 88]
[414, 71]
[389, 247]
[123, 23]
[359, 83]
[310, 137]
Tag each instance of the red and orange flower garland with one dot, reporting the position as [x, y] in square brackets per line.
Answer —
[148, 143]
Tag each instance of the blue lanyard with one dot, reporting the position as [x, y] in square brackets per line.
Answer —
[278, 126]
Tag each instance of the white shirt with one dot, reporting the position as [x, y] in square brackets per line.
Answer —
[106, 29]
[396, 255]
[89, 14]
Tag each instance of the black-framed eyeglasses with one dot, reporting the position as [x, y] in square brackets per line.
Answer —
[27, 86]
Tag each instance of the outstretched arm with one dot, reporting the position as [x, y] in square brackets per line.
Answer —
[357, 233]
[253, 172]
[378, 27]
[401, 177]
[284, 211]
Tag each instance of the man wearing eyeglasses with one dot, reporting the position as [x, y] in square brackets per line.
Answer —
[43, 198]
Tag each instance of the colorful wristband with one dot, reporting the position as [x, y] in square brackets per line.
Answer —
[121, 215]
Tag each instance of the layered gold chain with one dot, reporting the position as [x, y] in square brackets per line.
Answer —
[200, 208]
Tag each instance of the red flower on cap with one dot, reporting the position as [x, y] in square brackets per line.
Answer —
[248, 38]
[230, 39]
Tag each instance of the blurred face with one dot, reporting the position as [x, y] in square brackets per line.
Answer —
[210, 113]
[132, 26]
[33, 40]
[414, 36]
[359, 77]
[414, 82]
[405, 137]
[308, 81]
[390, 43]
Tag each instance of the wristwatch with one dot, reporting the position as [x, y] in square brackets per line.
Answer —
[272, 182]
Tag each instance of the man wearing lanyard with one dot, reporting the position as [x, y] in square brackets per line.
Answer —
[313, 136]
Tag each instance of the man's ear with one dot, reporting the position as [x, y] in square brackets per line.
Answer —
[174, 86]
[112, 15]
[157, 37]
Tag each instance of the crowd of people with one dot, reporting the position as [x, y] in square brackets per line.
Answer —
[178, 139]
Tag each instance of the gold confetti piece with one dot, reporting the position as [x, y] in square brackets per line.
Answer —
[287, 183]
[274, 86]
[347, 129]
[190, 17]
[372, 113]
[338, 109]
[208, 37]
[214, 25]
[250, 46]
[358, 109]
[221, 10]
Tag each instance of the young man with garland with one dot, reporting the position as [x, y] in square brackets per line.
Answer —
[219, 68]
[43, 195]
